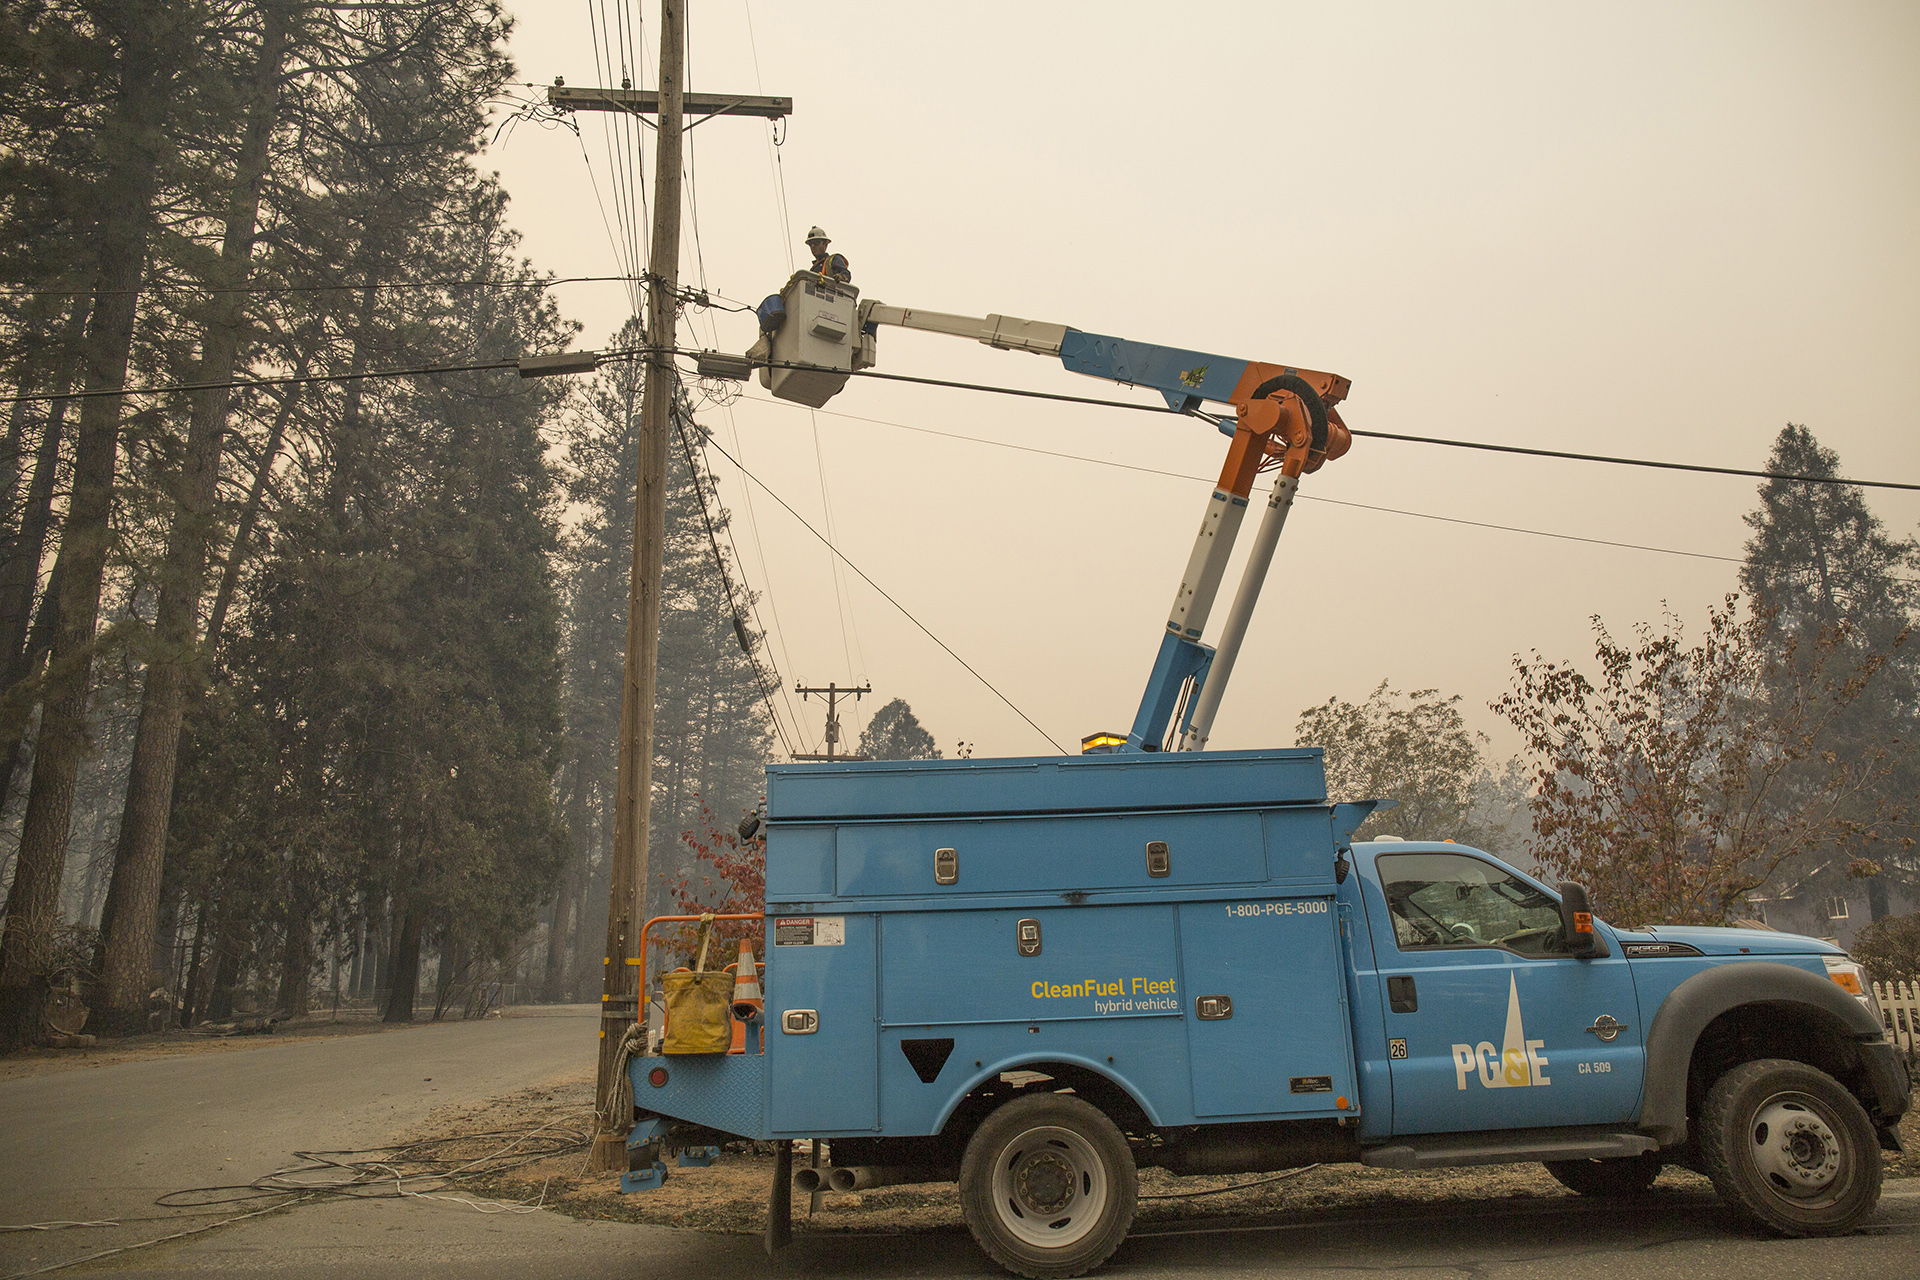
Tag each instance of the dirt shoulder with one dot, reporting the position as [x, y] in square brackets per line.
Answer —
[731, 1195]
[169, 1044]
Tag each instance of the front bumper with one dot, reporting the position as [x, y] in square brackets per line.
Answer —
[1889, 1089]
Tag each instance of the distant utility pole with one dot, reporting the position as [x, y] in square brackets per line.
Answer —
[626, 905]
[833, 693]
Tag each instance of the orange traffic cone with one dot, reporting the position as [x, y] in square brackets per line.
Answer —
[747, 1003]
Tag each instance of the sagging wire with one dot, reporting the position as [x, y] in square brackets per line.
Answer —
[722, 395]
[904, 612]
[535, 110]
[396, 1171]
[726, 579]
[1238, 1186]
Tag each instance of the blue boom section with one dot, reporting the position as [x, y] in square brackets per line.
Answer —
[1184, 377]
[946, 921]
[1178, 660]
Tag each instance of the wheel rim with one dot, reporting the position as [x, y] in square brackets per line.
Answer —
[1049, 1187]
[1793, 1146]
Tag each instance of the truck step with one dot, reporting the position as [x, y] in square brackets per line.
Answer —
[1507, 1146]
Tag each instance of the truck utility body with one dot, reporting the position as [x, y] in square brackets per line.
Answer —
[1037, 975]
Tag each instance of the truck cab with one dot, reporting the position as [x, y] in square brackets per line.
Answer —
[1035, 976]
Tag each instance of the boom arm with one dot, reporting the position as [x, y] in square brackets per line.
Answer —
[1282, 416]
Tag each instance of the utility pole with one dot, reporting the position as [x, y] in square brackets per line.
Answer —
[620, 1001]
[833, 693]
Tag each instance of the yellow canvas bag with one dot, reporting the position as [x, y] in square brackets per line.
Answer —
[699, 1017]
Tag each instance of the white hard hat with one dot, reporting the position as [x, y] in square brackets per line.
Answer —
[815, 233]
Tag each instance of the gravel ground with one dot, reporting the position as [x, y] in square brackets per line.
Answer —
[731, 1195]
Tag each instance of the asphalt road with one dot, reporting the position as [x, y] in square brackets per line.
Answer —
[102, 1142]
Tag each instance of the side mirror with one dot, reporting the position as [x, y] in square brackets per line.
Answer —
[1576, 922]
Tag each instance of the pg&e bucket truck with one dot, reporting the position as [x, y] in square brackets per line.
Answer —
[1034, 977]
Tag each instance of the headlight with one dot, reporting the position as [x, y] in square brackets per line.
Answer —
[1852, 979]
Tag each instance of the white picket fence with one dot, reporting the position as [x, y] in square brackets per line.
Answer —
[1900, 1005]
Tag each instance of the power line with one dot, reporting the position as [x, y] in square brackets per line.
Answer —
[1632, 462]
[1304, 497]
[534, 282]
[888, 598]
[1387, 435]
[288, 381]
[630, 353]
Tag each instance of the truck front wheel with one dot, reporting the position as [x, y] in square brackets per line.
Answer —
[1790, 1149]
[1048, 1186]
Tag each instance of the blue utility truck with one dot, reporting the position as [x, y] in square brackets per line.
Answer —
[1034, 977]
[1037, 976]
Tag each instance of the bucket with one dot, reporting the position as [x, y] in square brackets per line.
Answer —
[698, 1015]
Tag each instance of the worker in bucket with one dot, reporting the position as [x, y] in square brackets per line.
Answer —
[829, 265]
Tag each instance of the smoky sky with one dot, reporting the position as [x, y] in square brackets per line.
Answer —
[1655, 230]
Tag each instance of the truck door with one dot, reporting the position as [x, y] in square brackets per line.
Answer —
[1490, 1023]
[1267, 1024]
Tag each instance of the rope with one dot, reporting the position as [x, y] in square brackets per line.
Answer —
[618, 1117]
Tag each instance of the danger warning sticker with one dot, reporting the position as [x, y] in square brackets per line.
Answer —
[810, 931]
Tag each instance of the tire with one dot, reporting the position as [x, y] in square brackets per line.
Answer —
[1048, 1186]
[1608, 1179]
[1789, 1149]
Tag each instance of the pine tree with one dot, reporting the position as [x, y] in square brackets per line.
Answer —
[1821, 565]
[1819, 557]
[895, 733]
[149, 45]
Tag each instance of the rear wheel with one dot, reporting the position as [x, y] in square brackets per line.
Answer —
[1790, 1149]
[1608, 1179]
[1048, 1186]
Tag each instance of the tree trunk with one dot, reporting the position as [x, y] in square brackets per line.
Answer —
[149, 60]
[1878, 901]
[553, 979]
[447, 975]
[20, 568]
[406, 964]
[134, 899]
[46, 620]
[359, 951]
[235, 940]
[190, 984]
[382, 939]
[250, 512]
[296, 962]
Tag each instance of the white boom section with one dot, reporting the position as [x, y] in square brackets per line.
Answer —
[1206, 565]
[1235, 630]
[1008, 333]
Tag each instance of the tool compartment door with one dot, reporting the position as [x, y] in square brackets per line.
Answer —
[824, 1081]
[1283, 1046]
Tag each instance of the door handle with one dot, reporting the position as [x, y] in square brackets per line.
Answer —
[1401, 995]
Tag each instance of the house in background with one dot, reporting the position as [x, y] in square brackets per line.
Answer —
[1821, 905]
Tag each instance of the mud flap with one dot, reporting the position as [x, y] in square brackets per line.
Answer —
[780, 1199]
